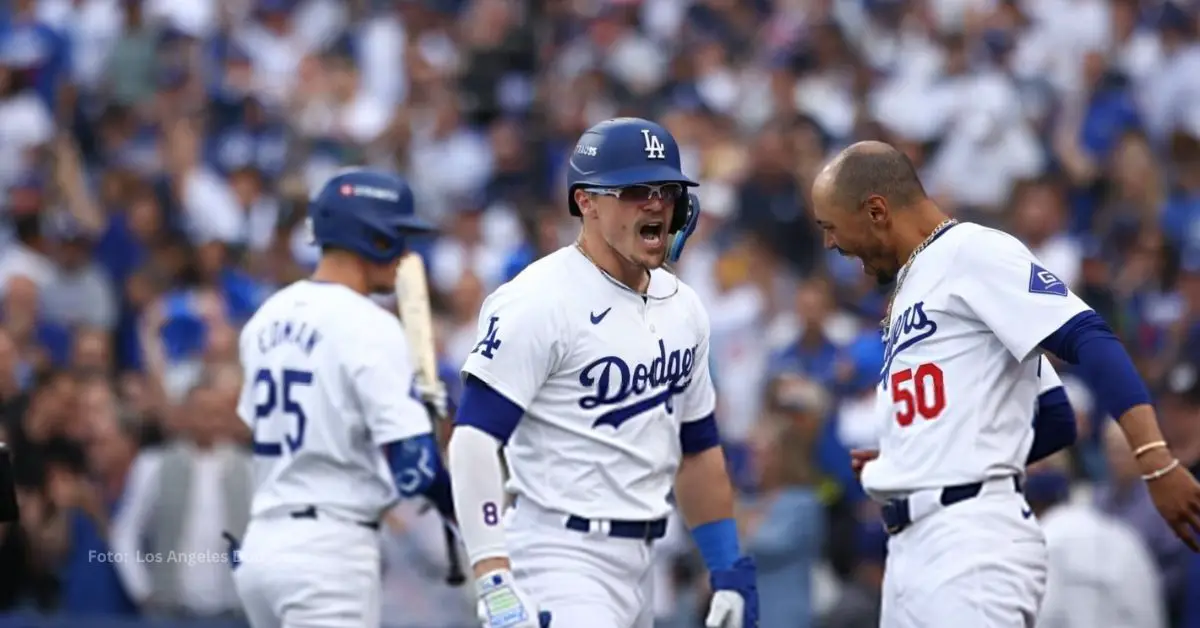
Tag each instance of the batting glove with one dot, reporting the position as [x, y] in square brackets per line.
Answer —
[502, 605]
[735, 596]
[435, 398]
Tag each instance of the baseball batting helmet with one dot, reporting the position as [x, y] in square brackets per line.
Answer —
[628, 151]
[366, 212]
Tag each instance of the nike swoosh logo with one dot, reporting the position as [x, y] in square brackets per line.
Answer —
[596, 318]
[1027, 512]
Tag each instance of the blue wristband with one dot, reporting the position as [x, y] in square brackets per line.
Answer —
[718, 543]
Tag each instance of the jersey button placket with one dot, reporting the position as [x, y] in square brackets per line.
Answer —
[646, 314]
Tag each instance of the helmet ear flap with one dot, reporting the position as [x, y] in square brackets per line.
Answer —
[679, 236]
[683, 210]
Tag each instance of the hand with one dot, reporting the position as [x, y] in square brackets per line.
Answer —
[435, 398]
[502, 605]
[859, 459]
[1176, 495]
[735, 596]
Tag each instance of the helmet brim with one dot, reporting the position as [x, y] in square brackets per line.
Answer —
[413, 224]
[633, 176]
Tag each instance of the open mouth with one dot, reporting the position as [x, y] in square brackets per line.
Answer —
[653, 233]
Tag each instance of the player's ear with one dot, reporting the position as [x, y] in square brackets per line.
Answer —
[876, 209]
[584, 201]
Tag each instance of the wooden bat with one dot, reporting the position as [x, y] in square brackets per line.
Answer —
[412, 304]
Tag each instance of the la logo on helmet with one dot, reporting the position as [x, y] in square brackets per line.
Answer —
[654, 148]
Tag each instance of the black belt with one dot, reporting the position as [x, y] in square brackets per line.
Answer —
[896, 514]
[310, 512]
[640, 530]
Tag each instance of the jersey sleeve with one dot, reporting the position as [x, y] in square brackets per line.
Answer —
[1003, 285]
[700, 399]
[517, 345]
[380, 368]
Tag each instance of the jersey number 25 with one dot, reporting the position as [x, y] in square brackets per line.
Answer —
[918, 391]
[280, 398]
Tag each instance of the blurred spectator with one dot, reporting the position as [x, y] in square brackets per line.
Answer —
[783, 524]
[858, 606]
[1125, 498]
[179, 500]
[1100, 570]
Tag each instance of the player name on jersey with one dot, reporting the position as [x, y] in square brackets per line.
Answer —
[290, 333]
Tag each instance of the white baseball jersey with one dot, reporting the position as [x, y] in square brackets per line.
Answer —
[960, 380]
[606, 378]
[327, 382]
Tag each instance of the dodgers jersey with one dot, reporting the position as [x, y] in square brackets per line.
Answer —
[327, 382]
[606, 378]
[960, 379]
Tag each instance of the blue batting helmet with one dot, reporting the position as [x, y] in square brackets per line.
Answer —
[627, 151]
[366, 212]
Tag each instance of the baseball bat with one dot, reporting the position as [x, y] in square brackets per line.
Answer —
[412, 304]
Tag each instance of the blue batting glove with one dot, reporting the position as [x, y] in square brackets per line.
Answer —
[735, 596]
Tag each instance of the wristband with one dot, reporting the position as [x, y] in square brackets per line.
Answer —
[1158, 444]
[718, 543]
[1150, 477]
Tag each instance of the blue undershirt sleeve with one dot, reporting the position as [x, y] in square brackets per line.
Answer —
[1087, 342]
[485, 409]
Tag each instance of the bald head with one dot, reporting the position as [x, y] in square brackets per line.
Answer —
[870, 169]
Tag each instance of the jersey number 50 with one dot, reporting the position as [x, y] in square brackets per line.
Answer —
[279, 397]
[918, 391]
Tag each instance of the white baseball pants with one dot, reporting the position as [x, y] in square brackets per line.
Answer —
[980, 563]
[585, 580]
[309, 573]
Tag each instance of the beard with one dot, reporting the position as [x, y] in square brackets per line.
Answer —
[876, 263]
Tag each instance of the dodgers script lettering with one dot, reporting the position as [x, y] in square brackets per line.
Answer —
[612, 381]
[909, 328]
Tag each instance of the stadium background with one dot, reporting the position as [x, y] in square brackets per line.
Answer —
[155, 158]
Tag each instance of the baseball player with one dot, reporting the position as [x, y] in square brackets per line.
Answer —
[337, 439]
[971, 311]
[591, 371]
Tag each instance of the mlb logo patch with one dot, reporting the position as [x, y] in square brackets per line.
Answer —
[1042, 281]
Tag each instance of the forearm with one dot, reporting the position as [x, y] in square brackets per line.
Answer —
[1140, 426]
[478, 487]
[702, 488]
[704, 495]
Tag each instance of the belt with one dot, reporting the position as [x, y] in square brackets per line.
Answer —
[639, 530]
[898, 514]
[310, 512]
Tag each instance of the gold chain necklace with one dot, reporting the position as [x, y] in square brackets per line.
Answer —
[620, 284]
[885, 324]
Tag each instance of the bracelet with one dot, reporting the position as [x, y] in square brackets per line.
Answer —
[1150, 477]
[1158, 444]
